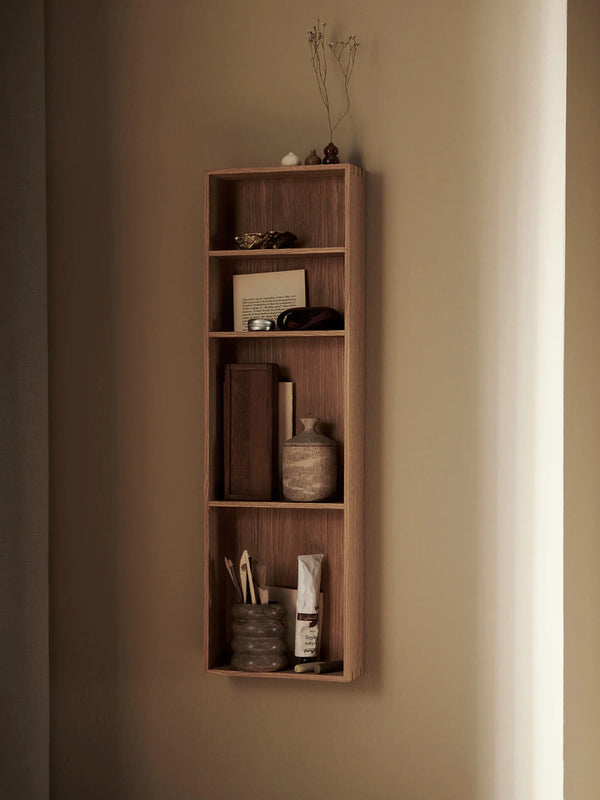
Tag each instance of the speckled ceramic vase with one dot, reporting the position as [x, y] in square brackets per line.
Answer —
[309, 465]
[259, 637]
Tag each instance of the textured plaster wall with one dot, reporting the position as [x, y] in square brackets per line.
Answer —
[458, 116]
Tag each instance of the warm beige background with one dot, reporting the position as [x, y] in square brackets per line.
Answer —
[582, 406]
[458, 116]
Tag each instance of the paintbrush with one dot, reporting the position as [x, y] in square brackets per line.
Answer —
[233, 576]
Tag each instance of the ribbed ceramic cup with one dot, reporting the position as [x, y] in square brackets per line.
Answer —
[259, 637]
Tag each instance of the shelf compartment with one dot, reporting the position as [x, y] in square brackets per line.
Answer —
[316, 367]
[311, 205]
[324, 282]
[276, 537]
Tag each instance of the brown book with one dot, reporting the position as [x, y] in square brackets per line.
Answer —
[250, 425]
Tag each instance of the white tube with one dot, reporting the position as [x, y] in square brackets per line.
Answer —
[308, 627]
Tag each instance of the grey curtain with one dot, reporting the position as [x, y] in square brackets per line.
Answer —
[24, 684]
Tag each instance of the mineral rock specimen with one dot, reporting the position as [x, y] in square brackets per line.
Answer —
[266, 241]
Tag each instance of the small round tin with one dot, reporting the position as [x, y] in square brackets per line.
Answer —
[261, 324]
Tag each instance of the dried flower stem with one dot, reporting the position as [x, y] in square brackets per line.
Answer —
[344, 53]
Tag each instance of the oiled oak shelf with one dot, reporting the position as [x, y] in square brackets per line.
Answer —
[280, 504]
[324, 206]
[283, 252]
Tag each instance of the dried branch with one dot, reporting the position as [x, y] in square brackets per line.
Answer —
[344, 52]
[345, 55]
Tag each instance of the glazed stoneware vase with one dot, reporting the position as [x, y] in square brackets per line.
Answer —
[309, 465]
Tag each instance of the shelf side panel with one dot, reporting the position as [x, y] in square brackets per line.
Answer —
[354, 392]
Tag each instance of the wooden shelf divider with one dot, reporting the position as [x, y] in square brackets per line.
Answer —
[283, 252]
[275, 334]
[329, 506]
[285, 674]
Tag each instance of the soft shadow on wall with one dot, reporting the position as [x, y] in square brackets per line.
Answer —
[84, 547]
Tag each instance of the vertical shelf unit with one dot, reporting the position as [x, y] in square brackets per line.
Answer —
[325, 207]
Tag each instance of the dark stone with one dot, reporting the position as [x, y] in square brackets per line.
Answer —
[266, 241]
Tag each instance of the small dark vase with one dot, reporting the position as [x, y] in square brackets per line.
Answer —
[331, 154]
[312, 158]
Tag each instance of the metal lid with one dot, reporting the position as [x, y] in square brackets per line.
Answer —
[261, 324]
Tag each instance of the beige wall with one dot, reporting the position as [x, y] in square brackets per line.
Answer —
[582, 404]
[458, 115]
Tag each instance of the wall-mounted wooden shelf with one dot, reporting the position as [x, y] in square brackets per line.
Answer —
[324, 207]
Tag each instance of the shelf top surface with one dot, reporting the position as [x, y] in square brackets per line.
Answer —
[262, 172]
